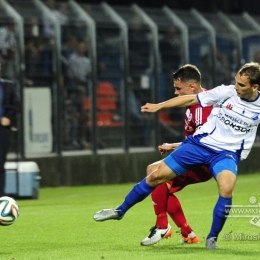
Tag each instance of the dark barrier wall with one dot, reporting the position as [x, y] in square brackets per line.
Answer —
[94, 169]
[111, 169]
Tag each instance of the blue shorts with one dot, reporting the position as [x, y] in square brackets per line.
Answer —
[191, 153]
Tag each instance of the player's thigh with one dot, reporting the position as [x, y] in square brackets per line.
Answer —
[225, 172]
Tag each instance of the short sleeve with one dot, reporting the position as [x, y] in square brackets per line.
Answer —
[213, 96]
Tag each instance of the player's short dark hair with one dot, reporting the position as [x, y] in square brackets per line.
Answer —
[252, 70]
[187, 72]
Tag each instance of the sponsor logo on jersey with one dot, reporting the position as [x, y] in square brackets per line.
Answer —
[233, 125]
[255, 116]
[229, 106]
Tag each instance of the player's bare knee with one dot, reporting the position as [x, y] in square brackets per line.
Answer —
[155, 179]
[152, 167]
[226, 194]
[149, 169]
[226, 191]
[226, 183]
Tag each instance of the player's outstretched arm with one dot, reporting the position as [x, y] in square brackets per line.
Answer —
[182, 101]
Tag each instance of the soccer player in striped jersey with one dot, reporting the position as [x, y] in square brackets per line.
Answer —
[226, 138]
[186, 80]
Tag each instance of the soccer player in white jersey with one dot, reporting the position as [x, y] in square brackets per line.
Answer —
[225, 139]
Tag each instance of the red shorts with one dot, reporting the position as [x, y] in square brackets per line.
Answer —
[197, 175]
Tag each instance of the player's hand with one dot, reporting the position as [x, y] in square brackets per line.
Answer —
[5, 121]
[165, 148]
[151, 108]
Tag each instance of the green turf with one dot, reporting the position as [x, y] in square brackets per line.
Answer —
[59, 225]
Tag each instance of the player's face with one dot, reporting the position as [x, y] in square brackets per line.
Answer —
[182, 88]
[244, 89]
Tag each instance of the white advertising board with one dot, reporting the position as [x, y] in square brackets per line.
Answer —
[37, 120]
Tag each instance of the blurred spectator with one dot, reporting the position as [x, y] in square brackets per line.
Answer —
[70, 125]
[8, 50]
[60, 16]
[78, 70]
[138, 120]
[70, 46]
[79, 67]
[7, 39]
[38, 59]
[82, 117]
[75, 123]
[31, 27]
[137, 30]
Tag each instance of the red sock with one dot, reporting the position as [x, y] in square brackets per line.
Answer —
[159, 197]
[175, 211]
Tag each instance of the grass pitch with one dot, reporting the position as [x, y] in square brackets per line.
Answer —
[59, 225]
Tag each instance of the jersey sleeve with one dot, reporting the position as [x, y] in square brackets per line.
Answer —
[213, 96]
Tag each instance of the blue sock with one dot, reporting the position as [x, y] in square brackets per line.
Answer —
[220, 215]
[139, 192]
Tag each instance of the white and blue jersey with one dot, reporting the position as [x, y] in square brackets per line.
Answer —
[233, 122]
[226, 137]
